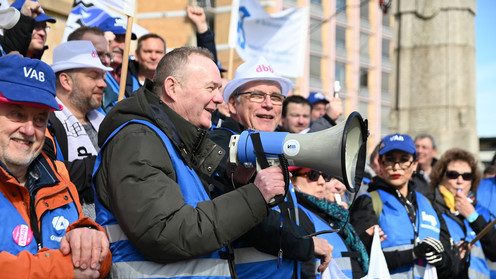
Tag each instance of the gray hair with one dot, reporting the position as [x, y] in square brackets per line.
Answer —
[427, 136]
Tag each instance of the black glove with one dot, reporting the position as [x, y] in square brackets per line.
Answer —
[434, 258]
[429, 244]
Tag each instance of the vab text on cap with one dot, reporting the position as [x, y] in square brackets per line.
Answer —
[397, 142]
[27, 81]
[76, 54]
[255, 70]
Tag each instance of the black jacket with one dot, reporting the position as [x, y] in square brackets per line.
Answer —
[18, 37]
[137, 183]
[363, 217]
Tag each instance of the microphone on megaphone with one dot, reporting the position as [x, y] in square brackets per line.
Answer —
[339, 151]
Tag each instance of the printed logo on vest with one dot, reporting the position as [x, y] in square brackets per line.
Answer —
[60, 223]
[22, 235]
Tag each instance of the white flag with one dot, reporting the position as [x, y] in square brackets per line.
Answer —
[92, 13]
[124, 6]
[281, 37]
[377, 266]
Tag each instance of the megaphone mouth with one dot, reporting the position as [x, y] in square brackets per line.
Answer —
[355, 138]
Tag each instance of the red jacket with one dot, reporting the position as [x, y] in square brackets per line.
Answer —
[46, 263]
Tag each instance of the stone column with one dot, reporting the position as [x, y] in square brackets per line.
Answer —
[434, 71]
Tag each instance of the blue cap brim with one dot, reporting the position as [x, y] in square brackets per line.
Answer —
[44, 17]
[24, 94]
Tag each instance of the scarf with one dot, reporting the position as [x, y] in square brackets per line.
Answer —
[448, 197]
[78, 142]
[339, 215]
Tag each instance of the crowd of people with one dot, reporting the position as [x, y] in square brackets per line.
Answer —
[146, 187]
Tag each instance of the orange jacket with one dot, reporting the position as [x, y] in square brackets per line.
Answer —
[46, 263]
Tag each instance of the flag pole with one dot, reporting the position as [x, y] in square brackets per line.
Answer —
[230, 65]
[483, 232]
[125, 58]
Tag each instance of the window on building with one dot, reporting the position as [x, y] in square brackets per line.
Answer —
[386, 19]
[364, 82]
[340, 74]
[363, 108]
[364, 10]
[340, 36]
[385, 79]
[318, 2]
[315, 34]
[364, 47]
[340, 5]
[385, 119]
[386, 48]
[315, 71]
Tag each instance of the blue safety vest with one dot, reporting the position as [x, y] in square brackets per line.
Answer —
[127, 262]
[340, 247]
[251, 263]
[53, 223]
[478, 266]
[395, 223]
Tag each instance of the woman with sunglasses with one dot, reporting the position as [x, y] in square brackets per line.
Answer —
[414, 234]
[454, 180]
[349, 252]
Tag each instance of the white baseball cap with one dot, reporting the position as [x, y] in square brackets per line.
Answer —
[76, 54]
[256, 69]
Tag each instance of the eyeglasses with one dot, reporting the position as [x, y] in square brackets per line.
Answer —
[259, 97]
[314, 175]
[103, 56]
[42, 26]
[402, 163]
[467, 176]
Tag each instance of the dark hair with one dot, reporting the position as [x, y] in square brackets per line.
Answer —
[455, 154]
[294, 99]
[173, 64]
[427, 136]
[146, 37]
[81, 31]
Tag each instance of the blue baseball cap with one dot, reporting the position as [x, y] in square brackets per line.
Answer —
[27, 81]
[42, 17]
[315, 97]
[115, 25]
[397, 142]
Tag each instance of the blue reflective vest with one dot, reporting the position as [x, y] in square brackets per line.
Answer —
[251, 263]
[55, 217]
[335, 240]
[395, 223]
[478, 266]
[127, 262]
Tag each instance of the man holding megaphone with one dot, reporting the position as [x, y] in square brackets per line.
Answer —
[271, 249]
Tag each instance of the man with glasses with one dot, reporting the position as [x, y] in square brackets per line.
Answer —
[414, 233]
[39, 36]
[271, 249]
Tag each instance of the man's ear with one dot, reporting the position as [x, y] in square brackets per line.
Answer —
[171, 87]
[65, 81]
[232, 104]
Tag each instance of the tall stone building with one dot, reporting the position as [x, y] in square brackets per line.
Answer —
[434, 72]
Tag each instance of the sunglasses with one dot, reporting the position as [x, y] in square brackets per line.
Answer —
[454, 175]
[314, 175]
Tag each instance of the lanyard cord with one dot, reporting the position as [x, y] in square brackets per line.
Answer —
[411, 211]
